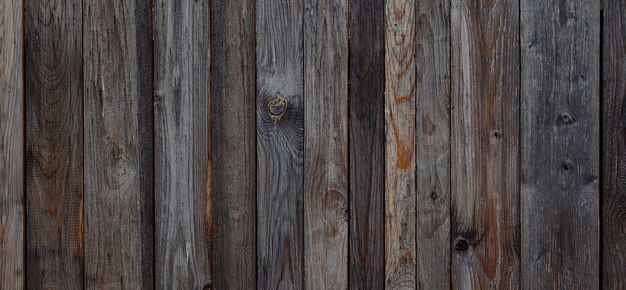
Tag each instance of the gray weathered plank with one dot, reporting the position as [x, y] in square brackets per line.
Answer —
[613, 144]
[485, 137]
[326, 144]
[183, 217]
[117, 58]
[366, 137]
[12, 270]
[233, 143]
[54, 144]
[433, 144]
[400, 136]
[560, 44]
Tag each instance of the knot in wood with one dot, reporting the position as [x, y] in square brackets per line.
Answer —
[277, 107]
[567, 119]
[567, 165]
[462, 245]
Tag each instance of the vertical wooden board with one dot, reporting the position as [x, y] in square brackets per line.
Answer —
[117, 58]
[366, 137]
[613, 144]
[280, 144]
[326, 144]
[560, 144]
[433, 144]
[233, 154]
[181, 109]
[400, 136]
[54, 144]
[485, 132]
[12, 271]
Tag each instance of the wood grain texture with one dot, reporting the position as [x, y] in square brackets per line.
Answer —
[233, 154]
[54, 144]
[117, 58]
[12, 269]
[613, 144]
[280, 141]
[181, 108]
[400, 136]
[560, 44]
[433, 144]
[326, 144]
[485, 144]
[366, 137]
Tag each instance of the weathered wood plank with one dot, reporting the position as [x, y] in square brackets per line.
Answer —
[613, 144]
[560, 44]
[117, 56]
[400, 136]
[366, 137]
[12, 270]
[433, 144]
[326, 144]
[280, 141]
[54, 146]
[233, 154]
[181, 109]
[485, 137]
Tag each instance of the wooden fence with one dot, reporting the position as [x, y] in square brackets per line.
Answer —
[318, 144]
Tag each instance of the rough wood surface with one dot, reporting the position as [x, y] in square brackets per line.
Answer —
[366, 137]
[280, 141]
[400, 136]
[54, 144]
[181, 109]
[433, 144]
[117, 58]
[560, 44]
[12, 270]
[233, 136]
[614, 146]
[485, 132]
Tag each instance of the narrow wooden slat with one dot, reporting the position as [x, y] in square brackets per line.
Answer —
[54, 144]
[12, 271]
[117, 56]
[181, 109]
[326, 144]
[560, 44]
[366, 137]
[280, 141]
[400, 136]
[433, 144]
[233, 154]
[485, 137]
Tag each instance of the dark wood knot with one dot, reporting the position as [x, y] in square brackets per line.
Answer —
[277, 107]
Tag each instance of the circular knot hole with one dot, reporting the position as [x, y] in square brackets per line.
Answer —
[566, 165]
[462, 245]
[277, 107]
[567, 119]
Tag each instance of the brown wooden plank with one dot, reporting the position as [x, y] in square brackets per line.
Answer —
[280, 141]
[233, 105]
[560, 44]
[12, 271]
[485, 137]
[326, 144]
[181, 109]
[117, 56]
[54, 144]
[400, 136]
[366, 137]
[433, 144]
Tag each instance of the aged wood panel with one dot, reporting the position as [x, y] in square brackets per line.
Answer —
[400, 136]
[117, 58]
[560, 144]
[433, 144]
[366, 144]
[326, 144]
[613, 146]
[54, 144]
[12, 270]
[485, 132]
[181, 109]
[233, 154]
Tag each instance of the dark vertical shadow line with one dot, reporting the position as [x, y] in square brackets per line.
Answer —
[153, 121]
[383, 204]
[209, 195]
[24, 151]
[82, 140]
[349, 127]
[415, 75]
[256, 149]
[301, 214]
[450, 179]
[519, 144]
[601, 151]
